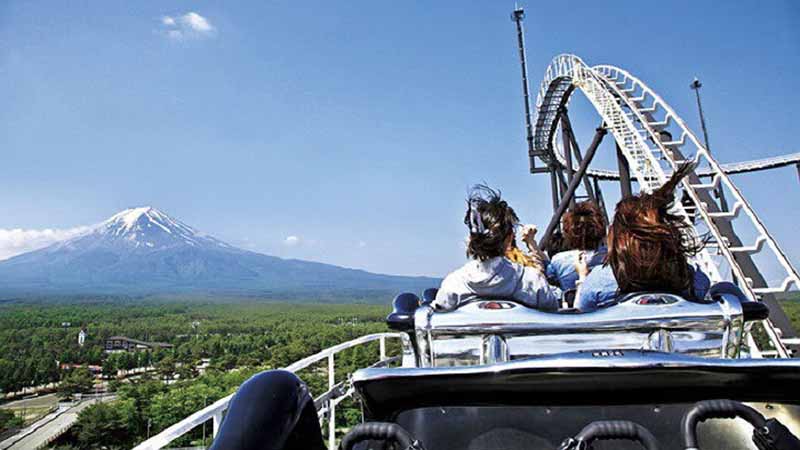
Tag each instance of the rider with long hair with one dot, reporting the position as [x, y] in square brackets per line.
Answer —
[648, 251]
[489, 273]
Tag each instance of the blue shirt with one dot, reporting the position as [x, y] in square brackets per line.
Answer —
[600, 288]
[561, 270]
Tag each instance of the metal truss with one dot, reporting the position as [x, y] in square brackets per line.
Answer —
[643, 125]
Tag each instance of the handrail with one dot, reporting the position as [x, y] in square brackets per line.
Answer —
[216, 410]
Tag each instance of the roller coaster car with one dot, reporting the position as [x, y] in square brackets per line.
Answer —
[488, 331]
[646, 372]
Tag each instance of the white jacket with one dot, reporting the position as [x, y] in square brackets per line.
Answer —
[497, 278]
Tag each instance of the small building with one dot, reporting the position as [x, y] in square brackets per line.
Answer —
[126, 344]
[94, 369]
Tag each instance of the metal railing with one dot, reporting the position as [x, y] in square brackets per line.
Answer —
[325, 403]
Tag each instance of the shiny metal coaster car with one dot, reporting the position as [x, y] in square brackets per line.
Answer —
[487, 331]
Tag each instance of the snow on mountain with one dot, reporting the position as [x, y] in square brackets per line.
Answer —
[140, 229]
[144, 250]
[151, 228]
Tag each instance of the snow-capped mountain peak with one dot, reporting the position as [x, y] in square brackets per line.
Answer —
[133, 220]
[147, 227]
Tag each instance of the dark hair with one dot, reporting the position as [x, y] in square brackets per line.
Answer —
[648, 246]
[584, 226]
[555, 244]
[497, 219]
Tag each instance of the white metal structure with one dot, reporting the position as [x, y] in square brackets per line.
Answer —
[754, 165]
[326, 402]
[642, 124]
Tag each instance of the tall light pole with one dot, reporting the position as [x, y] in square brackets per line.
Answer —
[695, 86]
[517, 17]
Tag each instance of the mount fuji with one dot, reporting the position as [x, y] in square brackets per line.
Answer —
[143, 251]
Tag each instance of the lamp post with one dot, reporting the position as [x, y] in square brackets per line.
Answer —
[695, 86]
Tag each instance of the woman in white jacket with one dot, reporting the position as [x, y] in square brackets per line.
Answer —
[489, 274]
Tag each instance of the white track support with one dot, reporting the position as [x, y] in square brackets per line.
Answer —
[701, 154]
[644, 165]
[636, 116]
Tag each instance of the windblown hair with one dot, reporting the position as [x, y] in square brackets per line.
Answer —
[648, 246]
[584, 226]
[497, 221]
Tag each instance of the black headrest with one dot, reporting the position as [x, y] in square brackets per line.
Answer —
[750, 310]
[429, 295]
[402, 316]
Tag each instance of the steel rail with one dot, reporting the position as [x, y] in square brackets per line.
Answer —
[555, 92]
[749, 166]
[701, 152]
[622, 101]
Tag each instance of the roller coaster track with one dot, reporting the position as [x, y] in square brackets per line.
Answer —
[643, 125]
[754, 165]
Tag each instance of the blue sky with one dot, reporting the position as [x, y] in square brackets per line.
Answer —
[355, 127]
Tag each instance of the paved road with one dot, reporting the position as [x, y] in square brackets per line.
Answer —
[47, 429]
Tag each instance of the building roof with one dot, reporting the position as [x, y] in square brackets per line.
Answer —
[137, 341]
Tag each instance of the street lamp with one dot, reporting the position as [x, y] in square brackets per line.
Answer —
[695, 85]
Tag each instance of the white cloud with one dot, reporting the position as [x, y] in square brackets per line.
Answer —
[187, 26]
[197, 22]
[17, 241]
[292, 241]
[362, 244]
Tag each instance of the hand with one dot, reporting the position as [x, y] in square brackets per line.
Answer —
[529, 235]
[582, 266]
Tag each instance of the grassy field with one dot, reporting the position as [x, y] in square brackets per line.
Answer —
[32, 409]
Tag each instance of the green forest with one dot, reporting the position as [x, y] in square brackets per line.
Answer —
[236, 338]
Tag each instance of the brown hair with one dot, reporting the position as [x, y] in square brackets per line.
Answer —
[584, 226]
[496, 222]
[648, 246]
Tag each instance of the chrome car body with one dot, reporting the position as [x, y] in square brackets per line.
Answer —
[486, 331]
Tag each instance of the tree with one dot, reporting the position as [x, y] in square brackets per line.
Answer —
[109, 424]
[166, 367]
[9, 420]
[187, 371]
[77, 381]
[110, 366]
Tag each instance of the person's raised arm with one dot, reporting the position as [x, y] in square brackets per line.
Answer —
[529, 238]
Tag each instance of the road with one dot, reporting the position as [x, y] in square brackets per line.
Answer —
[48, 428]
